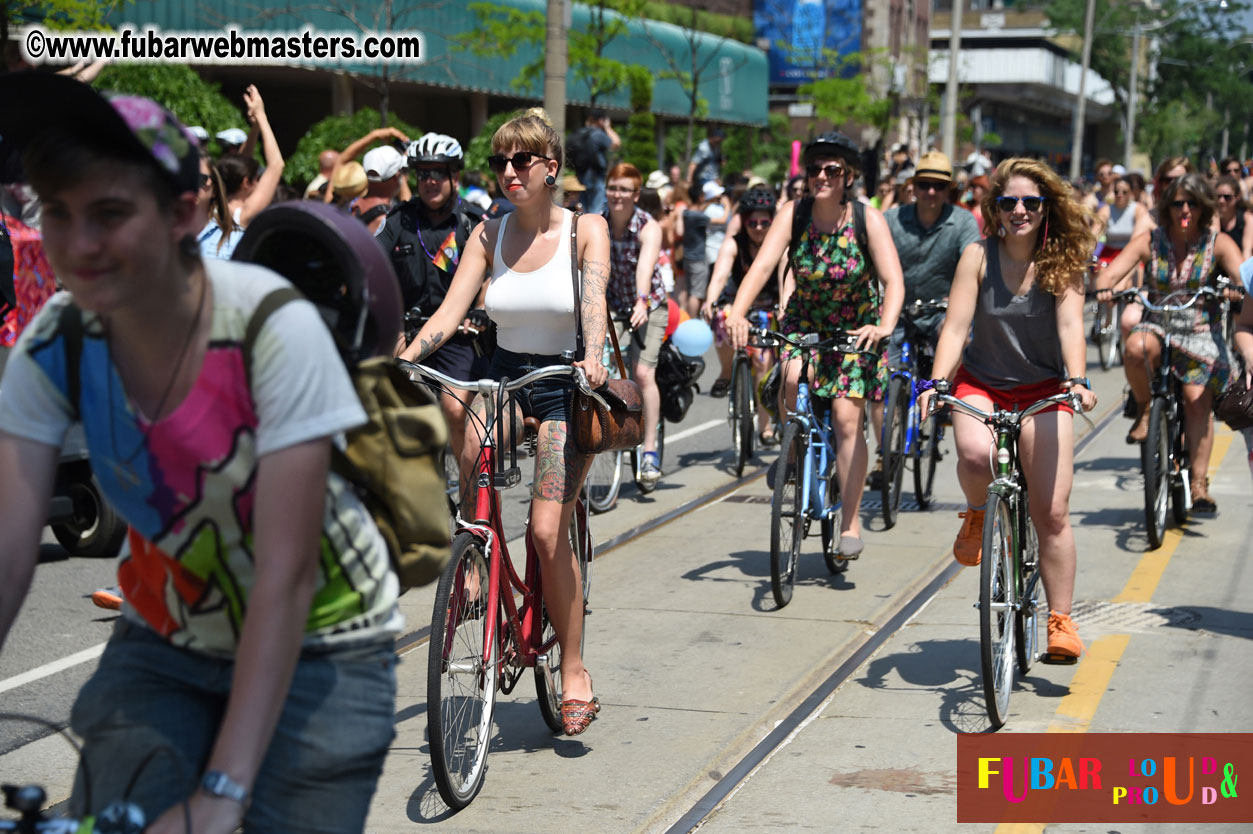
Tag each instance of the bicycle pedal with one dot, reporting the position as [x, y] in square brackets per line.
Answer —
[1057, 659]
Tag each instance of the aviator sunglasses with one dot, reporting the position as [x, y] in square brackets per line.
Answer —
[520, 160]
[1008, 204]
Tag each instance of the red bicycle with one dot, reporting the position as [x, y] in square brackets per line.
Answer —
[490, 624]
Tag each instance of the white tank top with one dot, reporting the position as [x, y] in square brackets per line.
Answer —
[534, 311]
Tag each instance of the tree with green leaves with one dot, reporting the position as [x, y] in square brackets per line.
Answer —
[178, 88]
[337, 133]
[689, 70]
[504, 30]
[639, 145]
[55, 14]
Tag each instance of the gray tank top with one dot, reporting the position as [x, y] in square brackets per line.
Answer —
[1121, 225]
[1013, 338]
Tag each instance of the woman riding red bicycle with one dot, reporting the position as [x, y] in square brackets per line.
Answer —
[524, 260]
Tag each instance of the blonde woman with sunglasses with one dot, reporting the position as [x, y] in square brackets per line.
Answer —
[1018, 296]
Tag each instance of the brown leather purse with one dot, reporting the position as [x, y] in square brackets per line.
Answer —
[1235, 405]
[596, 428]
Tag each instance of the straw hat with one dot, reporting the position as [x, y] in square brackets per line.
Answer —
[934, 165]
[350, 181]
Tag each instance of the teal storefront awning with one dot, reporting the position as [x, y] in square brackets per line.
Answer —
[733, 81]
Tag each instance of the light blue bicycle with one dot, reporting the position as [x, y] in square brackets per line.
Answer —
[805, 485]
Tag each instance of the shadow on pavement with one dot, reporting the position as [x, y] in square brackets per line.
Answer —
[811, 571]
[950, 669]
[52, 553]
[1213, 620]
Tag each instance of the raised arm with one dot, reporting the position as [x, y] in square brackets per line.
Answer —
[462, 292]
[263, 194]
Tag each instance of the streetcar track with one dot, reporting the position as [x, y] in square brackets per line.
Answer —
[943, 570]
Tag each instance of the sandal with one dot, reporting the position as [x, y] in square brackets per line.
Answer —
[720, 388]
[576, 715]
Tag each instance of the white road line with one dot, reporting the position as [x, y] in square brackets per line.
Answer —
[52, 668]
[686, 433]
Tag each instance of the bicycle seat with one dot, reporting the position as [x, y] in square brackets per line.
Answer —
[530, 425]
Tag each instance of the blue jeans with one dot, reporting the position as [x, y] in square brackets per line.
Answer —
[149, 716]
[594, 197]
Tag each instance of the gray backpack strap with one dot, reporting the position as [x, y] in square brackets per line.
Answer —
[265, 309]
[71, 325]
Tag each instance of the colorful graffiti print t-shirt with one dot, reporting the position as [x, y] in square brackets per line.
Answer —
[187, 484]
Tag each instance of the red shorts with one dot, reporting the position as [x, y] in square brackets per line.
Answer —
[1107, 255]
[1009, 399]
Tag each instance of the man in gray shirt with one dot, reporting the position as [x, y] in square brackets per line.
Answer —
[930, 236]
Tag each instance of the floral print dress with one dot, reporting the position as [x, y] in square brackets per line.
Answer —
[835, 292]
[1200, 352]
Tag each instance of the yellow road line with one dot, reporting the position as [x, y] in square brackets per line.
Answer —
[1091, 680]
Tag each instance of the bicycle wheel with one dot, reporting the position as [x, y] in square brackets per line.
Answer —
[604, 481]
[740, 410]
[831, 526]
[1180, 468]
[461, 675]
[1027, 620]
[926, 458]
[895, 426]
[1106, 334]
[549, 699]
[787, 523]
[996, 609]
[1155, 460]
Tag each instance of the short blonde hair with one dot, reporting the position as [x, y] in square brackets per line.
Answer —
[532, 131]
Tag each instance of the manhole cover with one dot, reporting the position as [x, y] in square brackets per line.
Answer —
[1102, 615]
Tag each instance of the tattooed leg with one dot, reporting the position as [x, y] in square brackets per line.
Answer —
[559, 473]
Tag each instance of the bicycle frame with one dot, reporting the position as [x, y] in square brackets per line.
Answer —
[819, 451]
[521, 622]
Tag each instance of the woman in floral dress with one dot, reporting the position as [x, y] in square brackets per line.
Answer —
[833, 287]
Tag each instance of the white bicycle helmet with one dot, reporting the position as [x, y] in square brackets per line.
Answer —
[435, 147]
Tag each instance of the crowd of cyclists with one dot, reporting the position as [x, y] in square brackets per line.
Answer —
[259, 611]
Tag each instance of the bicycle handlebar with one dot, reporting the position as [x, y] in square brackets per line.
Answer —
[116, 818]
[1139, 296]
[1006, 418]
[920, 306]
[494, 386]
[811, 341]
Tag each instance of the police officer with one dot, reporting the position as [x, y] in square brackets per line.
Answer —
[426, 237]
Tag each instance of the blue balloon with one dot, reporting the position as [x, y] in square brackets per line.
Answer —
[692, 338]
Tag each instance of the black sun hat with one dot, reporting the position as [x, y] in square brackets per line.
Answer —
[32, 103]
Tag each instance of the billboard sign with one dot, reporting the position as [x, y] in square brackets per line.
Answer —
[802, 35]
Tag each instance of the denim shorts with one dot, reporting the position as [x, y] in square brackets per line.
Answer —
[150, 714]
[548, 399]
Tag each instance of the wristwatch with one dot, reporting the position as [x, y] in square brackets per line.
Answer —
[1080, 380]
[217, 783]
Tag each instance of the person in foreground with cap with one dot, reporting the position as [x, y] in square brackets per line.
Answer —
[831, 289]
[425, 238]
[251, 677]
[930, 235]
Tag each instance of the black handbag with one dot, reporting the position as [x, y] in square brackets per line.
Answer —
[1235, 405]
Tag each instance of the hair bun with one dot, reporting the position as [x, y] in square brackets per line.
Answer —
[539, 113]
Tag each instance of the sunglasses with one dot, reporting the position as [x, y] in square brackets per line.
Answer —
[1181, 203]
[520, 161]
[1008, 204]
[1233, 170]
[205, 180]
[1123, 193]
[1223, 198]
[759, 224]
[832, 170]
[434, 174]
[929, 185]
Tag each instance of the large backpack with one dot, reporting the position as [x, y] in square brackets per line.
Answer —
[579, 149]
[394, 462]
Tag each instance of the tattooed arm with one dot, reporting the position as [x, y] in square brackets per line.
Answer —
[466, 282]
[594, 253]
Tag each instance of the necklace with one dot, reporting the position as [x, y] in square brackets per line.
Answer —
[123, 467]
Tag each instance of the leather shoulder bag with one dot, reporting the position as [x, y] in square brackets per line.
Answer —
[597, 428]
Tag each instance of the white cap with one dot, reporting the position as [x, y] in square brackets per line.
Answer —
[711, 189]
[199, 132]
[1119, 170]
[232, 136]
[382, 163]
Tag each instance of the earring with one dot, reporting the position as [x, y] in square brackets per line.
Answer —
[550, 181]
[1001, 231]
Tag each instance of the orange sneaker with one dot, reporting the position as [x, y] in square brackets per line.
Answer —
[968, 548]
[110, 598]
[1063, 636]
